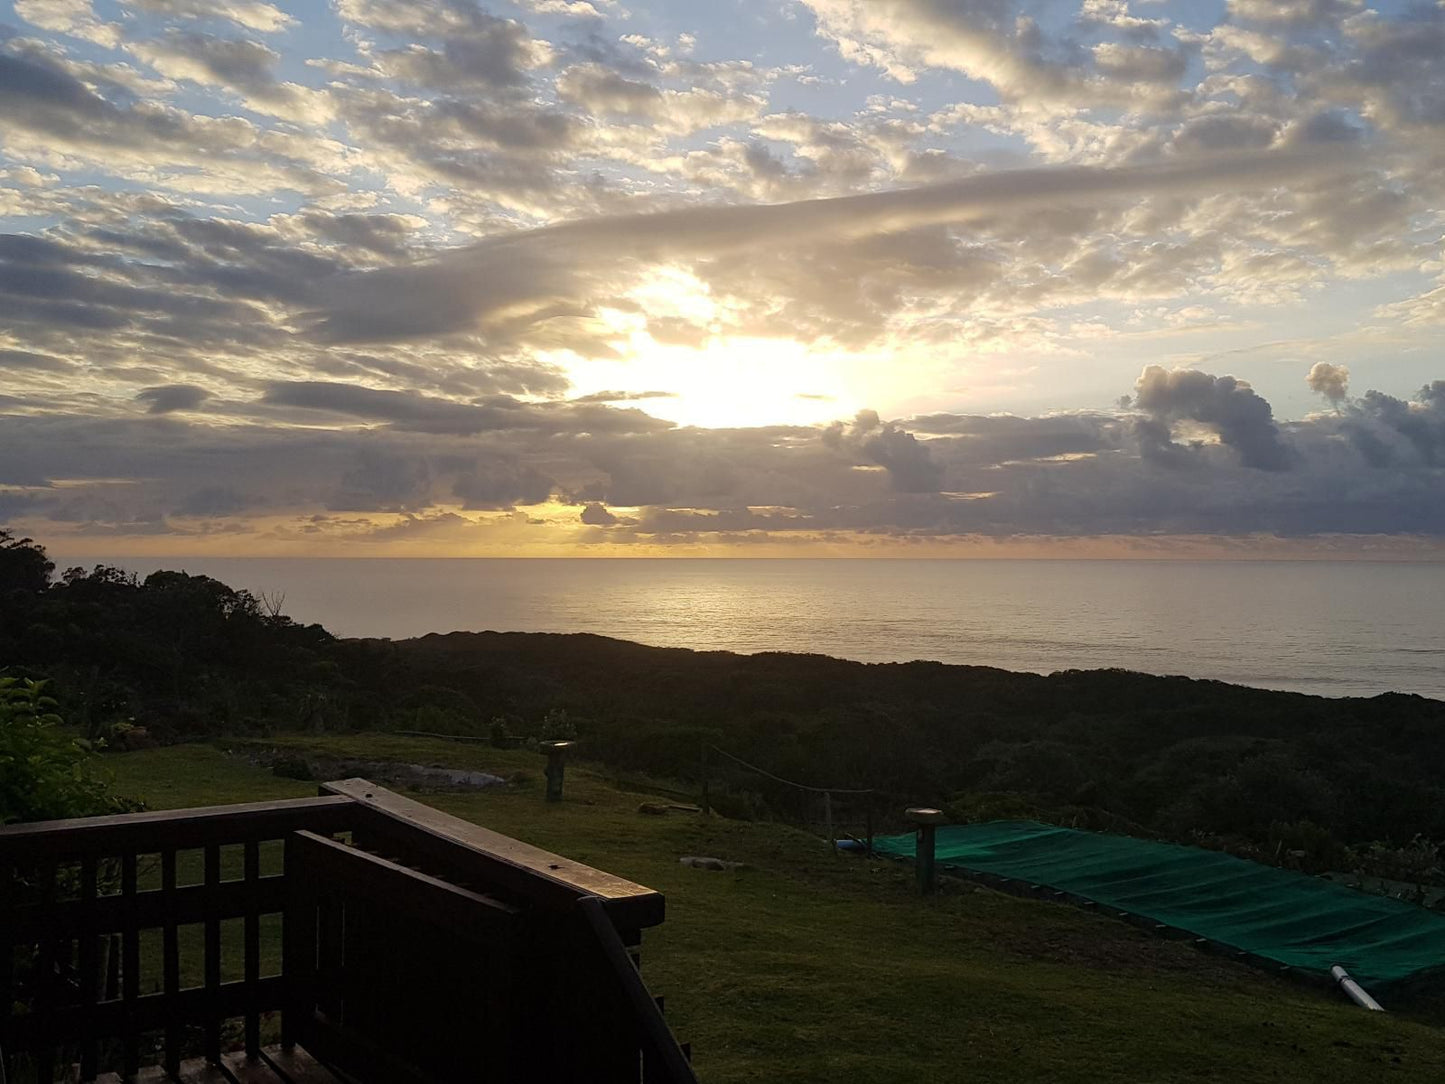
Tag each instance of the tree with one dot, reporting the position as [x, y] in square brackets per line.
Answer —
[24, 566]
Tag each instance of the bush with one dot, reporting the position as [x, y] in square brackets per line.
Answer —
[44, 773]
[557, 726]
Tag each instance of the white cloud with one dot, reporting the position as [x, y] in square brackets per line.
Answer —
[255, 15]
[74, 17]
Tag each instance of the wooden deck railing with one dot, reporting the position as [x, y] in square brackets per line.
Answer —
[397, 942]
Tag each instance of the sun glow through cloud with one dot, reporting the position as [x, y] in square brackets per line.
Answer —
[727, 382]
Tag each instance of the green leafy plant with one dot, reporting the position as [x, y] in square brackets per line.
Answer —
[44, 772]
[557, 726]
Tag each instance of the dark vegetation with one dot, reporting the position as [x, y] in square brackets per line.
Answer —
[1318, 783]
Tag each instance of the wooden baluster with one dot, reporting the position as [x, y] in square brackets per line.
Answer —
[89, 970]
[130, 967]
[298, 949]
[112, 968]
[213, 954]
[9, 894]
[253, 948]
[171, 953]
[45, 984]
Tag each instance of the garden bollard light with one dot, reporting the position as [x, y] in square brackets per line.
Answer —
[927, 821]
[556, 752]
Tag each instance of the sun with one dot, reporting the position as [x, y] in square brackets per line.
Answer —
[728, 382]
[673, 339]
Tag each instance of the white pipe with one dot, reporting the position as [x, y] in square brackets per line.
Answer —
[1353, 990]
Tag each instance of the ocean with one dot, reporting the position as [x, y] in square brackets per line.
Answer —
[1329, 628]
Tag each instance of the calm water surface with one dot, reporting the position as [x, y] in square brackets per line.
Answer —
[1336, 629]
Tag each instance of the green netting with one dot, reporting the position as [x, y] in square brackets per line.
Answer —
[1287, 917]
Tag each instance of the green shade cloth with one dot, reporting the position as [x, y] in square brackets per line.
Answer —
[1290, 918]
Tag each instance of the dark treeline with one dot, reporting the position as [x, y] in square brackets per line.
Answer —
[1326, 783]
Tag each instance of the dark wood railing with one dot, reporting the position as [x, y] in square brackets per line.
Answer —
[397, 942]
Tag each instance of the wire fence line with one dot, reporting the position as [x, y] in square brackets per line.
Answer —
[789, 782]
[864, 803]
[842, 813]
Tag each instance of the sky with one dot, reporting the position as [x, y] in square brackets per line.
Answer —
[753, 277]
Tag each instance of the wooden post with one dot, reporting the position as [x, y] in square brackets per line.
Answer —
[927, 820]
[706, 802]
[868, 811]
[828, 821]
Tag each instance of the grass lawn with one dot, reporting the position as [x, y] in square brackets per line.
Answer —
[809, 967]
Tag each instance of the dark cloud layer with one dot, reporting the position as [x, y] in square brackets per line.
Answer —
[1377, 466]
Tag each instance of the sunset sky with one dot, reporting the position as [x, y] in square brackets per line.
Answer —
[556, 277]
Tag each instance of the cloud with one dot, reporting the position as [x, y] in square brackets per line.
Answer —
[427, 414]
[51, 109]
[254, 15]
[527, 275]
[606, 91]
[1331, 381]
[597, 515]
[471, 46]
[383, 257]
[172, 397]
[1395, 73]
[1293, 13]
[502, 483]
[1240, 418]
[381, 234]
[382, 479]
[1067, 475]
[204, 58]
[215, 502]
[26, 359]
[1389, 432]
[910, 467]
[993, 439]
[74, 17]
[623, 396]
[1001, 43]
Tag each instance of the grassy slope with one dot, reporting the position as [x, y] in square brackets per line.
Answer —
[808, 967]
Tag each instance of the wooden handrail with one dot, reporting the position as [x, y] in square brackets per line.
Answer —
[471, 852]
[664, 1059]
[170, 829]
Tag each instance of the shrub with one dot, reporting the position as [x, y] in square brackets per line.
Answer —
[557, 726]
[44, 772]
